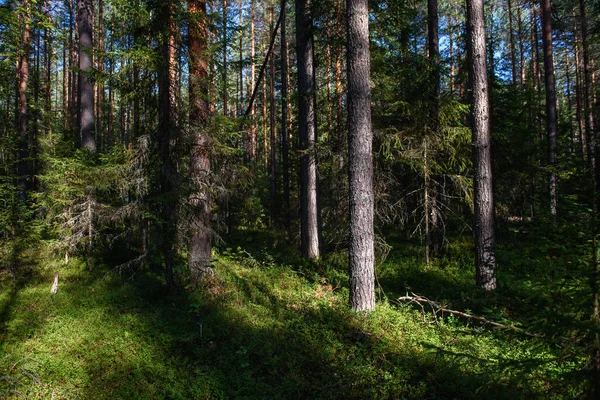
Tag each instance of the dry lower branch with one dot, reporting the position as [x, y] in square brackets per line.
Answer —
[438, 308]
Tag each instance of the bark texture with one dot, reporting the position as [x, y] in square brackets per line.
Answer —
[483, 219]
[360, 162]
[307, 126]
[86, 84]
[23, 167]
[168, 132]
[199, 249]
[284, 117]
[551, 115]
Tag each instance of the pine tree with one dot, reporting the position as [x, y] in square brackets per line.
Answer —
[360, 163]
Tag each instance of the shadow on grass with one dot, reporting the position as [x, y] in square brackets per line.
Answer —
[256, 332]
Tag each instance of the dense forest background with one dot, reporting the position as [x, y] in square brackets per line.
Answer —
[363, 199]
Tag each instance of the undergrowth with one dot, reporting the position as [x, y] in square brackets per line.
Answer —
[261, 328]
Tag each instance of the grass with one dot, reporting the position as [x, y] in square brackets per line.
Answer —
[261, 329]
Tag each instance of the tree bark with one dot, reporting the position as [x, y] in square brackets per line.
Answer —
[273, 123]
[521, 45]
[588, 90]
[86, 84]
[23, 166]
[433, 233]
[225, 76]
[360, 163]
[511, 37]
[284, 117]
[307, 131]
[199, 250]
[551, 115]
[168, 132]
[483, 218]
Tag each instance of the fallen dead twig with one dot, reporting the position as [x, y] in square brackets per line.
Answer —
[438, 308]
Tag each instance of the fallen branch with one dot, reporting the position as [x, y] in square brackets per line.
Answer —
[438, 308]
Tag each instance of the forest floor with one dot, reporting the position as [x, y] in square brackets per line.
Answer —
[262, 327]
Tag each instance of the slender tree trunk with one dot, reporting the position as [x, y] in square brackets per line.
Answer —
[328, 98]
[73, 106]
[433, 234]
[100, 139]
[111, 99]
[339, 87]
[273, 123]
[451, 49]
[511, 38]
[86, 85]
[252, 80]
[265, 127]
[284, 117]
[535, 65]
[588, 90]
[23, 167]
[578, 98]
[551, 115]
[569, 93]
[521, 45]
[225, 77]
[168, 132]
[47, 75]
[199, 251]
[241, 70]
[483, 219]
[307, 130]
[360, 163]
[65, 84]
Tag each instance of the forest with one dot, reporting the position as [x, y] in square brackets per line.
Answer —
[336, 199]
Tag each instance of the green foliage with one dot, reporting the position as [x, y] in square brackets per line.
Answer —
[259, 328]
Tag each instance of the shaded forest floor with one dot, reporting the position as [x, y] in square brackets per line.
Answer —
[269, 326]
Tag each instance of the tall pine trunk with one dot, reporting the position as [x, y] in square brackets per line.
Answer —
[199, 250]
[86, 85]
[284, 117]
[273, 123]
[483, 198]
[23, 167]
[307, 129]
[168, 132]
[360, 163]
[551, 118]
[433, 232]
[588, 91]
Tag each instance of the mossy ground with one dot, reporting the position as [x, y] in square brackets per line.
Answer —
[260, 328]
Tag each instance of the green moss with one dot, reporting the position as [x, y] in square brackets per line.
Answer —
[268, 331]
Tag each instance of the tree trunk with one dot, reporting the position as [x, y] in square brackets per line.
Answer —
[483, 219]
[252, 80]
[535, 64]
[433, 234]
[307, 131]
[241, 70]
[273, 123]
[284, 117]
[511, 37]
[100, 66]
[225, 77]
[551, 119]
[588, 90]
[199, 250]
[360, 163]
[86, 85]
[521, 45]
[168, 132]
[23, 167]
